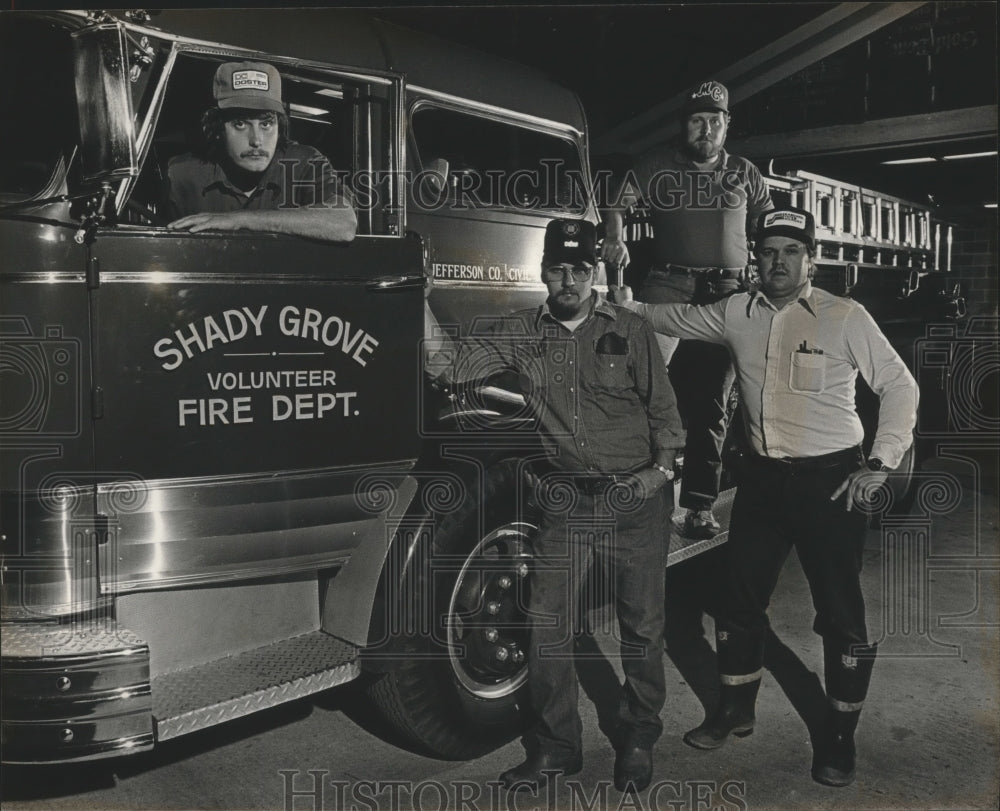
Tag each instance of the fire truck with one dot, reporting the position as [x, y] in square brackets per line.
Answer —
[224, 482]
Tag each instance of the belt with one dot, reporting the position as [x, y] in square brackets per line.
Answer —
[707, 272]
[591, 484]
[596, 485]
[826, 460]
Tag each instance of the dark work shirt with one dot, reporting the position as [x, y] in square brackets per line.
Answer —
[196, 186]
[700, 216]
[600, 392]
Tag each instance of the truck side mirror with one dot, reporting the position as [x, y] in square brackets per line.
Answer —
[437, 174]
[104, 103]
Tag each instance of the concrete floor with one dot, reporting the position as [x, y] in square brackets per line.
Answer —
[928, 738]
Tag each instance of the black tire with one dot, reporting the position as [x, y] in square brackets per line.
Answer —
[450, 696]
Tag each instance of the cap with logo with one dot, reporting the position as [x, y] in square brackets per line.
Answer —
[710, 96]
[794, 223]
[570, 241]
[248, 85]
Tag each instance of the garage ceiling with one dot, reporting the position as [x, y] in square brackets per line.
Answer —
[835, 89]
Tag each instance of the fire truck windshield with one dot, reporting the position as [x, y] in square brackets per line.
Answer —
[38, 104]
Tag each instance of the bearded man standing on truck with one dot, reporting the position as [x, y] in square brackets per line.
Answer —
[252, 177]
[594, 379]
[702, 203]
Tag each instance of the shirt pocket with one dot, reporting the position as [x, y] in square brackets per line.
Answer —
[611, 372]
[807, 373]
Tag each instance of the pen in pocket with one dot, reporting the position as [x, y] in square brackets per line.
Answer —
[805, 349]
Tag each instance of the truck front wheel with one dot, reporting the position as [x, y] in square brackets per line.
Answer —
[454, 690]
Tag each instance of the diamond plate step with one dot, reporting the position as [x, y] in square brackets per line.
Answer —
[229, 688]
[682, 548]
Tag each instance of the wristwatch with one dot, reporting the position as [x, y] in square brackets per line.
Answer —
[876, 464]
[664, 470]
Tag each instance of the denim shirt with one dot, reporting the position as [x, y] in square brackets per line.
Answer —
[600, 392]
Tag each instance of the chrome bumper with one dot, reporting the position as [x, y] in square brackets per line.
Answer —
[73, 693]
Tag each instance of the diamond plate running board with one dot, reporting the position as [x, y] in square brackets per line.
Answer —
[229, 688]
[682, 548]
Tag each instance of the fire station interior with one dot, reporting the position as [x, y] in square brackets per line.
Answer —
[894, 104]
[882, 119]
[879, 118]
[897, 99]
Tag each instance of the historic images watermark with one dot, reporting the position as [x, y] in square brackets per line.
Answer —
[312, 790]
[553, 186]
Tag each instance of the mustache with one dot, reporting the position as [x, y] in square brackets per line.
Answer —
[255, 153]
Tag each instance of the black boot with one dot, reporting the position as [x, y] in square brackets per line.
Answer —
[833, 763]
[538, 769]
[848, 674]
[633, 768]
[734, 716]
[741, 659]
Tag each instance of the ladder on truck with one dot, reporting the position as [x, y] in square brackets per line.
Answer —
[875, 247]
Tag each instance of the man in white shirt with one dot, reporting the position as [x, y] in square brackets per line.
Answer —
[797, 352]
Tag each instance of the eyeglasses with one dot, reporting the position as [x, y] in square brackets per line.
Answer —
[556, 273]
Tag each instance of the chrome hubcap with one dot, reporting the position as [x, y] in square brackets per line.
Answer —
[486, 625]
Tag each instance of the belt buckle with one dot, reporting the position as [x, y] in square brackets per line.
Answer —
[601, 484]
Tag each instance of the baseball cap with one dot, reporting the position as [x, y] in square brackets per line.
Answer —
[794, 223]
[248, 85]
[570, 241]
[710, 96]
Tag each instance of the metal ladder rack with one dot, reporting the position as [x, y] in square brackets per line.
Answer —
[862, 226]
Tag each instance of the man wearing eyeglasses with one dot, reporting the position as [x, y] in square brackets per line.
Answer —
[594, 378]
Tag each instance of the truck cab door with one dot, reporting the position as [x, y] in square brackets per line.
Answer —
[251, 381]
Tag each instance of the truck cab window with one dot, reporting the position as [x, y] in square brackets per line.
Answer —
[340, 118]
[482, 162]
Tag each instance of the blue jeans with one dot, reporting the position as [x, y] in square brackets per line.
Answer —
[630, 545]
[702, 375]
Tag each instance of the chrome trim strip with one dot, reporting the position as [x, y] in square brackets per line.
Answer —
[42, 277]
[165, 277]
[499, 112]
[116, 747]
[733, 681]
[460, 284]
[391, 467]
[231, 574]
[184, 532]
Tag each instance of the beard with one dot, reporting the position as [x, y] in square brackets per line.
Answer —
[703, 150]
[567, 308]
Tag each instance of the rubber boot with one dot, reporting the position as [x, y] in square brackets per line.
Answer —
[848, 674]
[734, 716]
[741, 658]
